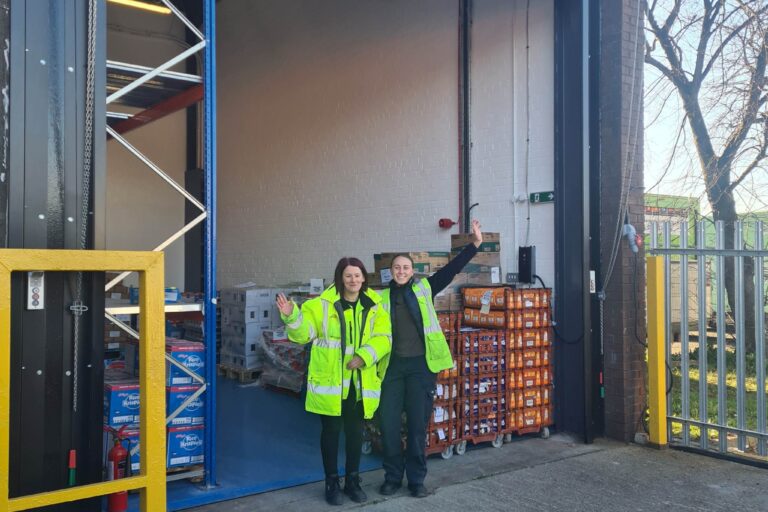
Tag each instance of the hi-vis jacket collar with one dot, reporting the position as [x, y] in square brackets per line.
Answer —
[331, 295]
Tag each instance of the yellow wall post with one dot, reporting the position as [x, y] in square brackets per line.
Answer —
[657, 375]
[5, 382]
[151, 481]
[152, 384]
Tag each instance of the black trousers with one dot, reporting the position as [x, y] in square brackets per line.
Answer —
[351, 420]
[409, 386]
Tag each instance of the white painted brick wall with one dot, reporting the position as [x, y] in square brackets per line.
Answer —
[338, 131]
[499, 127]
[338, 135]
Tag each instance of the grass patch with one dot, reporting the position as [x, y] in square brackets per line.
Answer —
[750, 395]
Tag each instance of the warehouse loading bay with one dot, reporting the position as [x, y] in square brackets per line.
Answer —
[342, 130]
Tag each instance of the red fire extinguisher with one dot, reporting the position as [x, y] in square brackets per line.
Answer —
[117, 467]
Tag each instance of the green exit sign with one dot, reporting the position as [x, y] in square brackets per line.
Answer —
[543, 197]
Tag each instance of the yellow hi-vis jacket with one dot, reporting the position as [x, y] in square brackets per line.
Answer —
[438, 353]
[366, 332]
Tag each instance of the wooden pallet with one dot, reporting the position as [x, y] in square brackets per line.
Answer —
[185, 469]
[242, 375]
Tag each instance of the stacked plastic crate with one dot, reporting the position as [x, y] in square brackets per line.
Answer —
[443, 430]
[514, 357]
[484, 377]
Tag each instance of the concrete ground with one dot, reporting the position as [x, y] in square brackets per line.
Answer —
[557, 474]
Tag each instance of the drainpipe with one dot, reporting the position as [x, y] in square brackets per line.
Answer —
[465, 143]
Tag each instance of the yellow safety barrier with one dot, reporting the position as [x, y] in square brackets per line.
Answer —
[657, 374]
[150, 266]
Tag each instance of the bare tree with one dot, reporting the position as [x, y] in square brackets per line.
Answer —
[714, 53]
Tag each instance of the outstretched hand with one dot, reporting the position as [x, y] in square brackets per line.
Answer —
[477, 233]
[284, 304]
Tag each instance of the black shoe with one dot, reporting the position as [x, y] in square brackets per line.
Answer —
[352, 488]
[389, 488]
[418, 491]
[333, 490]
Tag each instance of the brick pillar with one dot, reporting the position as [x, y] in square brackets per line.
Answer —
[621, 142]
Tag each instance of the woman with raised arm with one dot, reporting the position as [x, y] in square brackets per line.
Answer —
[419, 353]
[350, 333]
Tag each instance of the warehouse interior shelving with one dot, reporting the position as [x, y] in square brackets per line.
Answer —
[155, 93]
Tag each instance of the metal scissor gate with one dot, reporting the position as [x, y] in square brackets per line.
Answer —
[714, 334]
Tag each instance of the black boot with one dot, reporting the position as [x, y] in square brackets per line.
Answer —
[333, 490]
[352, 488]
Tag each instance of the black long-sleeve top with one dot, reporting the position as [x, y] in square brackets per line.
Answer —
[407, 324]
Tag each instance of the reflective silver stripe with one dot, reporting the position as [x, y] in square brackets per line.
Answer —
[386, 335]
[422, 289]
[324, 343]
[312, 331]
[386, 306]
[323, 390]
[348, 350]
[370, 324]
[296, 323]
[371, 394]
[434, 323]
[325, 317]
[371, 351]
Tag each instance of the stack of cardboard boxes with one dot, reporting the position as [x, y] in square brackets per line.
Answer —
[186, 428]
[482, 270]
[254, 338]
[424, 264]
[246, 314]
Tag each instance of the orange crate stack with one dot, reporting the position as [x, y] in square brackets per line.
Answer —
[525, 315]
[485, 363]
[442, 430]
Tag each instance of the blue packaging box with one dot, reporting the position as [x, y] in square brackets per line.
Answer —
[121, 403]
[190, 354]
[172, 295]
[185, 446]
[193, 413]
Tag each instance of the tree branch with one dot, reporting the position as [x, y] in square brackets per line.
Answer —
[758, 158]
[661, 67]
[751, 108]
[706, 32]
[727, 40]
[673, 14]
[675, 70]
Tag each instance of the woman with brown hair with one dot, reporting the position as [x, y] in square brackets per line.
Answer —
[350, 333]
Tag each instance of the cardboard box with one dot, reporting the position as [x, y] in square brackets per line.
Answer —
[247, 362]
[261, 313]
[491, 242]
[249, 296]
[484, 278]
[121, 403]
[448, 302]
[185, 446]
[247, 334]
[442, 302]
[423, 261]
[190, 354]
[193, 413]
[171, 296]
[483, 263]
[130, 442]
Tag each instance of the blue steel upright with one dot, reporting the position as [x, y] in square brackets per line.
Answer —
[209, 259]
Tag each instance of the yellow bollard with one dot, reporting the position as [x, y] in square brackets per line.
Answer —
[657, 374]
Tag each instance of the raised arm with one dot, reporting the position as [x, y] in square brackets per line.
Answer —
[443, 277]
[299, 323]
